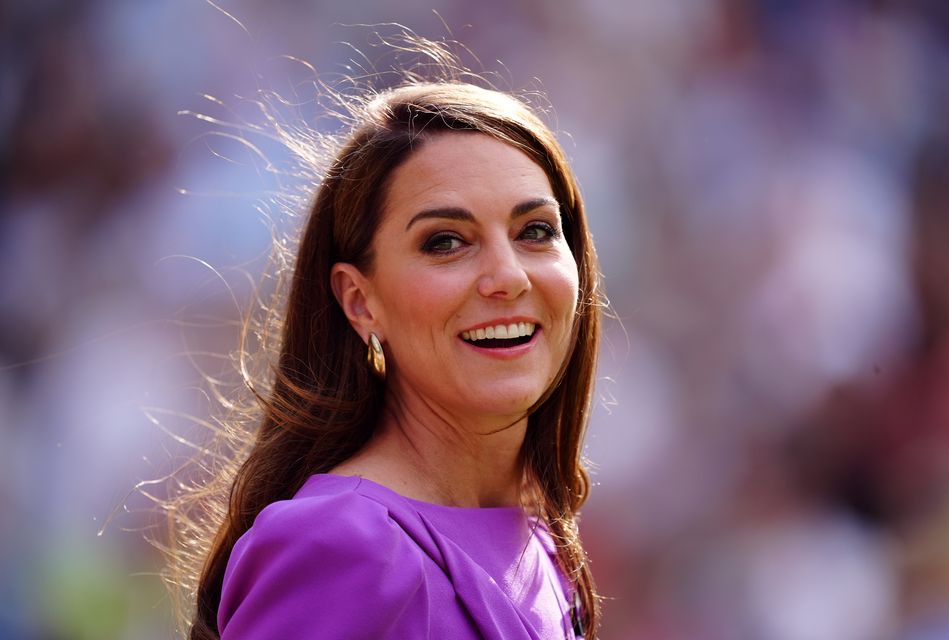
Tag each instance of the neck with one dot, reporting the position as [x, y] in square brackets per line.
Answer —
[427, 454]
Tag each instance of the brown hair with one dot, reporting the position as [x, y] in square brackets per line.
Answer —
[324, 403]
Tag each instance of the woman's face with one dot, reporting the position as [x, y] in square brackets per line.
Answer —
[471, 246]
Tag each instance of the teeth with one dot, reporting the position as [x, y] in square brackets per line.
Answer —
[501, 331]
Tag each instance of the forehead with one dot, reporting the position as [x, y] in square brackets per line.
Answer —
[463, 169]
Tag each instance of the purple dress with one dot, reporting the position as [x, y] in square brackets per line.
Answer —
[348, 558]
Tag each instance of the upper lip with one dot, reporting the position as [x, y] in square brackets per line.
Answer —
[505, 321]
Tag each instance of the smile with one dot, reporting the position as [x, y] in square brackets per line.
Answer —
[500, 336]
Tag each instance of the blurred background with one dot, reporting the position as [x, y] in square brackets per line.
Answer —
[768, 184]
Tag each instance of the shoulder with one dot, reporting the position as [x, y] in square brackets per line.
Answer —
[540, 531]
[333, 517]
[308, 563]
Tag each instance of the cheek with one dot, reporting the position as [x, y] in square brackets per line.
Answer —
[563, 285]
[420, 302]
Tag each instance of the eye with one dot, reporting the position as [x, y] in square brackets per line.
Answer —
[539, 232]
[443, 243]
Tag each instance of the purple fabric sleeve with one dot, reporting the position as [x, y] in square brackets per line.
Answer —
[324, 567]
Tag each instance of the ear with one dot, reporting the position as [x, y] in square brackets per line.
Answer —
[352, 291]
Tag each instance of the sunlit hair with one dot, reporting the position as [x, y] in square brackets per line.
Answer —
[321, 403]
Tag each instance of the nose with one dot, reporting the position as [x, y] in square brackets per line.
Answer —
[503, 273]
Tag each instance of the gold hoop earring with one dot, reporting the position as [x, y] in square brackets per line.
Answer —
[376, 357]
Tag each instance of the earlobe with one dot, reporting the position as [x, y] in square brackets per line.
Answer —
[351, 289]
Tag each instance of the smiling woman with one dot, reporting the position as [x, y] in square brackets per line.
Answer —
[487, 252]
[433, 493]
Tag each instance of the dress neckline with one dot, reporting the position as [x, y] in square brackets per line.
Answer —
[361, 483]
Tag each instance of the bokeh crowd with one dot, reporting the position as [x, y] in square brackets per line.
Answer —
[768, 185]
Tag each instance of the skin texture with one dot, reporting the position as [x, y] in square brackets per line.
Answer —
[470, 237]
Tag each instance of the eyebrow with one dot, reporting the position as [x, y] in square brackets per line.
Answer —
[459, 213]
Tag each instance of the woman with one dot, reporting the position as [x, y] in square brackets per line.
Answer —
[429, 489]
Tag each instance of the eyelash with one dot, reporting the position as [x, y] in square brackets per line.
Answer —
[552, 232]
[430, 245]
[438, 238]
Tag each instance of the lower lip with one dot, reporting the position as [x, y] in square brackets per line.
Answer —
[505, 352]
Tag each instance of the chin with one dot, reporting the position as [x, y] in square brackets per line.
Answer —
[516, 405]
